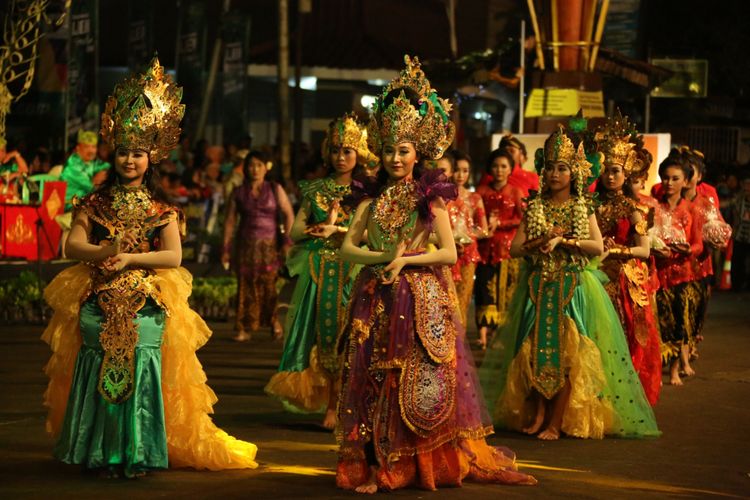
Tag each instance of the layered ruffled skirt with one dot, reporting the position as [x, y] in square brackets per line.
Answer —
[606, 395]
[166, 419]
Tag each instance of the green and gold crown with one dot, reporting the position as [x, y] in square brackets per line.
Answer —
[428, 127]
[348, 132]
[144, 112]
[559, 148]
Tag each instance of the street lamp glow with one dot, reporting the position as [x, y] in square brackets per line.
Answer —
[367, 101]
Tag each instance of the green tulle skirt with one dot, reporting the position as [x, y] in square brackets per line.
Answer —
[96, 433]
[606, 394]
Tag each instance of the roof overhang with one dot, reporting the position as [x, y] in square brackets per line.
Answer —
[325, 73]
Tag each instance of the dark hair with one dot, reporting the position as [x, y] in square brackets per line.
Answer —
[450, 157]
[459, 155]
[151, 179]
[509, 140]
[499, 153]
[258, 155]
[697, 160]
[676, 160]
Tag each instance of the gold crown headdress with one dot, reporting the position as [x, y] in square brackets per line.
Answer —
[428, 127]
[559, 148]
[144, 112]
[616, 145]
[348, 132]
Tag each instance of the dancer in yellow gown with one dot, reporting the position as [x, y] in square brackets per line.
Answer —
[127, 393]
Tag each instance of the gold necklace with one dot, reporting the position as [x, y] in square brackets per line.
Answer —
[393, 208]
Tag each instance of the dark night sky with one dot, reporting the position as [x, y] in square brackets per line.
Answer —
[716, 31]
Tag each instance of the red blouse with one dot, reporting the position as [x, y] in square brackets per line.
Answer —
[679, 267]
[507, 206]
[466, 214]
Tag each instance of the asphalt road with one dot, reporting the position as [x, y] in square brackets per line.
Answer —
[703, 452]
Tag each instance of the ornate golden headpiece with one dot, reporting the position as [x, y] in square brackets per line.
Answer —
[559, 148]
[615, 143]
[428, 127]
[144, 112]
[348, 132]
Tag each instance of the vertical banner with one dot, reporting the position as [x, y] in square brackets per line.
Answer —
[234, 103]
[140, 34]
[191, 54]
[622, 28]
[81, 95]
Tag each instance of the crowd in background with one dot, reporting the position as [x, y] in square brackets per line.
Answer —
[201, 176]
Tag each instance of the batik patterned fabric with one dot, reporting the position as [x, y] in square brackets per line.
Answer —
[497, 274]
[679, 297]
[258, 259]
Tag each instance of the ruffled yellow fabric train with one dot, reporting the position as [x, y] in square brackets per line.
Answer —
[305, 391]
[193, 439]
[588, 414]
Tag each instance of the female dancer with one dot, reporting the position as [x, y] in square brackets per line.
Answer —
[468, 222]
[127, 393]
[260, 249]
[497, 274]
[306, 380]
[560, 363]
[623, 223]
[679, 296]
[715, 232]
[410, 411]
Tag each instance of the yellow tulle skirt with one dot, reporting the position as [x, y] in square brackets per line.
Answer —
[193, 440]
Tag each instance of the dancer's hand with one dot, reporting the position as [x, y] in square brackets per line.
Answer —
[392, 270]
[396, 251]
[662, 253]
[550, 245]
[118, 262]
[683, 248]
[226, 258]
[321, 230]
[128, 241]
[110, 250]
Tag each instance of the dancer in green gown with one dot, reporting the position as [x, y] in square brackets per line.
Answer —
[306, 380]
[561, 362]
